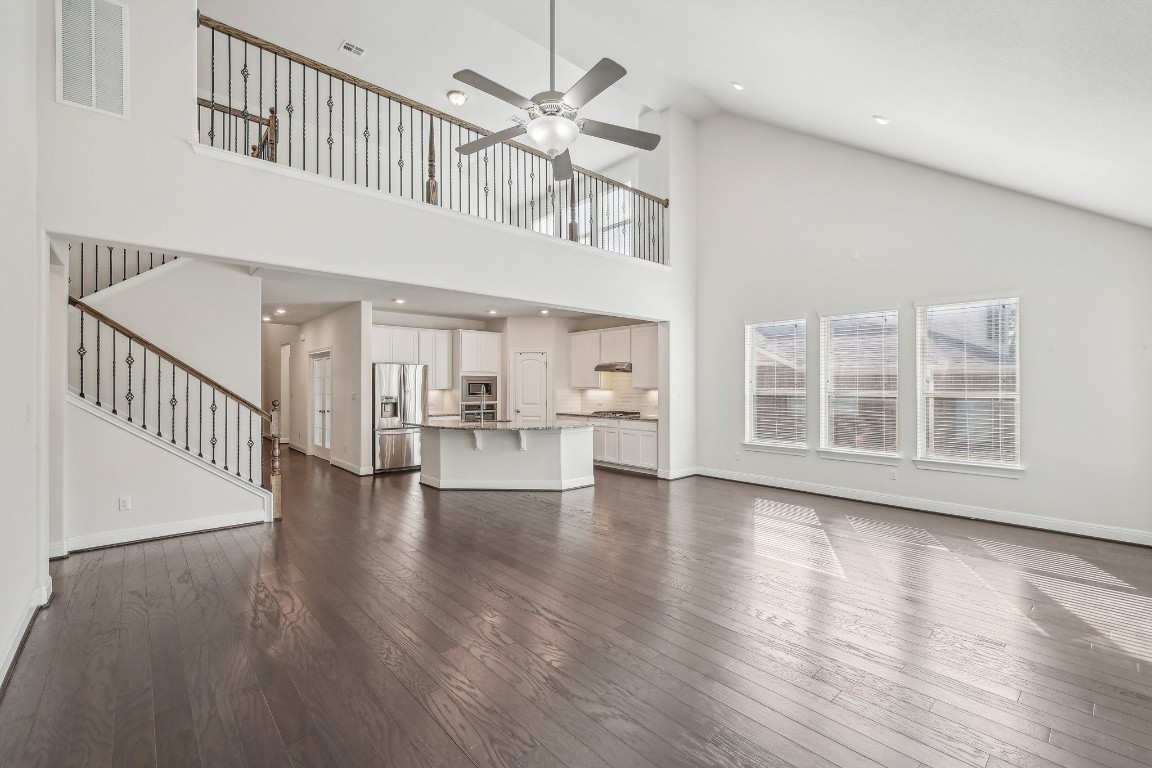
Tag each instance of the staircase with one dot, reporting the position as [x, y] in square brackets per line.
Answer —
[144, 421]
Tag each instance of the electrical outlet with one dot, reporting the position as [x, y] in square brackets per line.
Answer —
[892, 474]
[125, 503]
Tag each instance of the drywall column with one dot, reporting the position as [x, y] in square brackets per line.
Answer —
[24, 581]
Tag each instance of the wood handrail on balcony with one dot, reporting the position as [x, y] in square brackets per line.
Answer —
[234, 112]
[85, 308]
[238, 34]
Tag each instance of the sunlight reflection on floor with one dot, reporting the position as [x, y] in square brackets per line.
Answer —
[1052, 562]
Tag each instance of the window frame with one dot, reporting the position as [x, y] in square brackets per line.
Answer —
[825, 449]
[750, 388]
[947, 463]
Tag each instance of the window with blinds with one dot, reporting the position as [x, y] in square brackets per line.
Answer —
[969, 404]
[859, 363]
[776, 406]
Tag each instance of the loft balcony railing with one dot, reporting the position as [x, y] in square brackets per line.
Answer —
[265, 101]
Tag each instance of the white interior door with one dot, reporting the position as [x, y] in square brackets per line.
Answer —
[321, 405]
[285, 392]
[531, 377]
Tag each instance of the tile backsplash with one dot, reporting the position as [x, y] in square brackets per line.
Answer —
[615, 394]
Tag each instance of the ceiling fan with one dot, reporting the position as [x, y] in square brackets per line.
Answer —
[553, 124]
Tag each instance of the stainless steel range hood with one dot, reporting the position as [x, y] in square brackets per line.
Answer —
[614, 367]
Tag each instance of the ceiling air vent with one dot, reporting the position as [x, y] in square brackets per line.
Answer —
[351, 49]
[92, 55]
[516, 120]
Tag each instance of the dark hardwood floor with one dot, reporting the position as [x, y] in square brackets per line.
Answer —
[641, 623]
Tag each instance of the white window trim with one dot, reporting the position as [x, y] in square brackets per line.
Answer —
[970, 468]
[844, 454]
[955, 465]
[750, 389]
[863, 457]
[788, 450]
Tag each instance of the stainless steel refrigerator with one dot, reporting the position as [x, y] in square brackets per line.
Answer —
[400, 398]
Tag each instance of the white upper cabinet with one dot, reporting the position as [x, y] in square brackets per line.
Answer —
[478, 352]
[616, 346]
[436, 353]
[585, 356]
[645, 357]
[405, 345]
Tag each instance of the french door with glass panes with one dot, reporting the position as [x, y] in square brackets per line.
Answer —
[321, 403]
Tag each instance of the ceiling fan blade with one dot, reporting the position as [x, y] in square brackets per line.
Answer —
[491, 139]
[595, 81]
[562, 167]
[619, 134]
[492, 88]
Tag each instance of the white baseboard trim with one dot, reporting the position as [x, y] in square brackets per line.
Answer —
[126, 535]
[348, 466]
[989, 514]
[677, 474]
[262, 494]
[57, 549]
[40, 596]
[298, 448]
[507, 485]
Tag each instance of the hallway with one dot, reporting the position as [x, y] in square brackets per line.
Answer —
[638, 623]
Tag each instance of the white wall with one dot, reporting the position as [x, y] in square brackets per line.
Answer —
[23, 404]
[781, 217]
[272, 337]
[411, 320]
[347, 332]
[363, 234]
[176, 493]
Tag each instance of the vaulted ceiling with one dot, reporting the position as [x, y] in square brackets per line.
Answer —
[1050, 98]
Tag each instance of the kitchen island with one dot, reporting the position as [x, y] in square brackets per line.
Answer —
[549, 455]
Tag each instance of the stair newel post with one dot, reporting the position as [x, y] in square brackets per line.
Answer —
[277, 512]
[432, 187]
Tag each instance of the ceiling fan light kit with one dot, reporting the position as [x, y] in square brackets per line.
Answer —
[552, 124]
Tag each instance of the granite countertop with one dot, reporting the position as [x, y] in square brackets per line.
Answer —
[513, 425]
[444, 415]
[611, 418]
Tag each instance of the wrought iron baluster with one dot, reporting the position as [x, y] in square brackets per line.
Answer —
[237, 439]
[144, 389]
[137, 262]
[124, 266]
[244, 114]
[412, 156]
[367, 135]
[172, 402]
[252, 443]
[422, 158]
[487, 185]
[211, 115]
[330, 140]
[355, 132]
[109, 267]
[129, 397]
[379, 143]
[212, 408]
[400, 151]
[317, 119]
[290, 110]
[232, 122]
[98, 356]
[343, 130]
[225, 433]
[159, 391]
[114, 372]
[186, 389]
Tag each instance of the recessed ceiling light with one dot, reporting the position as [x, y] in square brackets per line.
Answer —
[398, 301]
[281, 311]
[266, 318]
[737, 86]
[491, 311]
[543, 311]
[457, 97]
[881, 120]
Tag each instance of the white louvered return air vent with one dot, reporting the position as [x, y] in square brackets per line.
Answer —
[92, 55]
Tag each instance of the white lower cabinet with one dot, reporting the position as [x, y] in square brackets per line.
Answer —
[638, 449]
[625, 442]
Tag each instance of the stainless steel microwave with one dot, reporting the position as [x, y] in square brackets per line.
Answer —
[478, 387]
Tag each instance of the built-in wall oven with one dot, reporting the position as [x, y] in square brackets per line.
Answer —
[479, 398]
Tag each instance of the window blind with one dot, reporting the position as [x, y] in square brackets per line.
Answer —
[616, 220]
[969, 404]
[859, 356]
[776, 405]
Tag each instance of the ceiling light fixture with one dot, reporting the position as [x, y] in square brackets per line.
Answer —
[737, 86]
[457, 97]
[543, 311]
[398, 301]
[881, 120]
[491, 311]
[266, 318]
[553, 134]
[281, 311]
